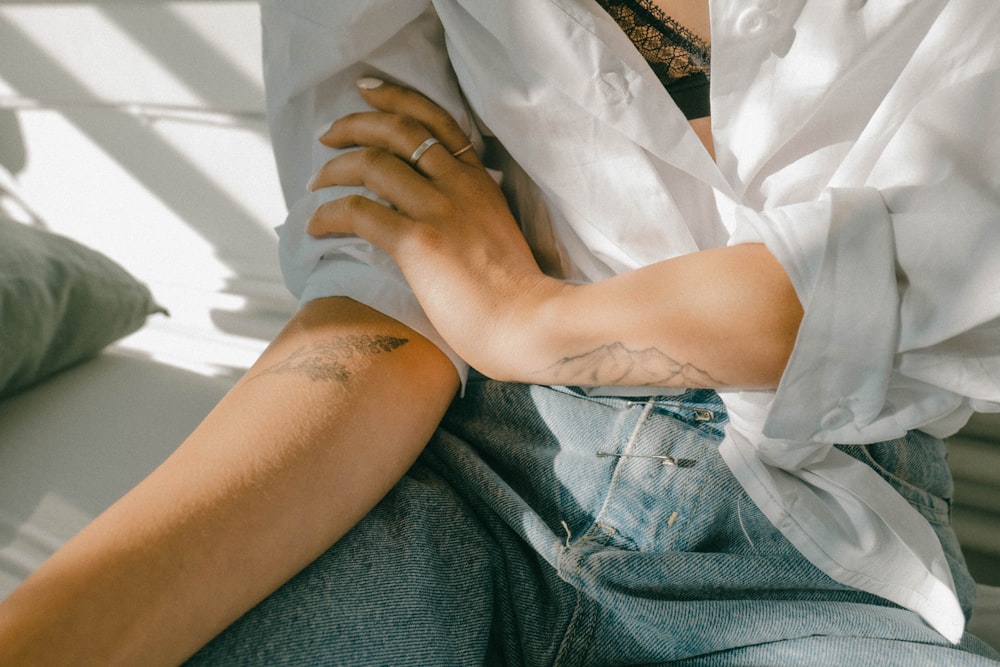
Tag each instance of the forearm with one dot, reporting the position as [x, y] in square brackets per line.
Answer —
[719, 318]
[330, 417]
[725, 317]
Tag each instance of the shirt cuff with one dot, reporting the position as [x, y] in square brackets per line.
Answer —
[839, 253]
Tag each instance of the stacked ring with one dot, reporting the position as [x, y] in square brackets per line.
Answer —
[463, 149]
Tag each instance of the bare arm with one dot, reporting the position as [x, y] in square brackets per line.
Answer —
[724, 317]
[327, 420]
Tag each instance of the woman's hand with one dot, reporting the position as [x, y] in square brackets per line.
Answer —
[449, 227]
[720, 317]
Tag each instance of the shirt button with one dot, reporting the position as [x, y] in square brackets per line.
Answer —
[752, 21]
[614, 85]
[836, 418]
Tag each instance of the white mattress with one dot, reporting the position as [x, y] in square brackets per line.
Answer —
[142, 135]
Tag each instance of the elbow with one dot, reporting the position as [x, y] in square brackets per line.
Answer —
[762, 318]
[776, 338]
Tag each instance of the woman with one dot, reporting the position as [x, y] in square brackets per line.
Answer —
[596, 502]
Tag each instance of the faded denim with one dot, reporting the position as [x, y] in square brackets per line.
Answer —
[514, 542]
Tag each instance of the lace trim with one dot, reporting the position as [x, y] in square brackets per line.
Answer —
[673, 51]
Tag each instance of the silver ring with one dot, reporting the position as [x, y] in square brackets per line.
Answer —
[421, 149]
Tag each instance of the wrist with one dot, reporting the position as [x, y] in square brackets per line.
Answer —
[530, 330]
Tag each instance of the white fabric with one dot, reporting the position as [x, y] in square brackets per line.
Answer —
[855, 139]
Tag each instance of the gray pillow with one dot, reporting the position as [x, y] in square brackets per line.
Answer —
[60, 303]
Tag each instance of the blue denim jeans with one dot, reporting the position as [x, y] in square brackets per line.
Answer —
[545, 527]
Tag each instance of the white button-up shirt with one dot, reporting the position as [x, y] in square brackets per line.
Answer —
[857, 140]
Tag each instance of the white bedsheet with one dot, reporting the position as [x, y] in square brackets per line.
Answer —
[138, 129]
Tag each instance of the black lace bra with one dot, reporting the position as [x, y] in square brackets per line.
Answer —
[680, 59]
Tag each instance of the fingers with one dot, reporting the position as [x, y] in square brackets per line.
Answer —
[356, 214]
[382, 172]
[404, 101]
[397, 134]
[405, 143]
[412, 117]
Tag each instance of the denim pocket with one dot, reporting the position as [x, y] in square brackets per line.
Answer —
[917, 467]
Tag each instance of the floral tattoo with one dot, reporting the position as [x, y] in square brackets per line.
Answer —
[329, 361]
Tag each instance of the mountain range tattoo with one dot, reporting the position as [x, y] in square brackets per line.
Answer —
[615, 364]
[325, 361]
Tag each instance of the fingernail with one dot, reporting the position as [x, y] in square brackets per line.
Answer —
[312, 182]
[369, 83]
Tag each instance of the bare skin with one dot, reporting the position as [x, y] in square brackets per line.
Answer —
[693, 15]
[297, 452]
[728, 315]
[315, 433]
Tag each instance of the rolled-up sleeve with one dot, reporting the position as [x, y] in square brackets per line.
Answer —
[840, 255]
[899, 282]
[898, 276]
[314, 52]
